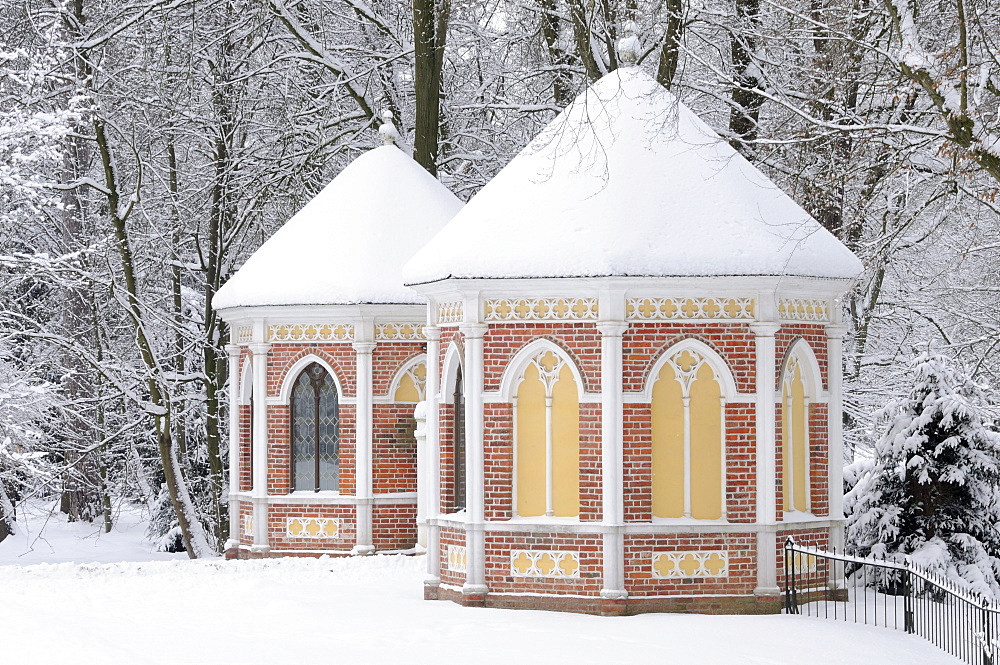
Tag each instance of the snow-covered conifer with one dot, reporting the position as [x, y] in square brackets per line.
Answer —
[931, 493]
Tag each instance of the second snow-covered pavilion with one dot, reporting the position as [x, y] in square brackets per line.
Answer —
[327, 364]
[634, 370]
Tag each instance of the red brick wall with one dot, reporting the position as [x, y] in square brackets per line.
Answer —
[394, 449]
[394, 526]
[742, 569]
[244, 440]
[450, 537]
[499, 578]
[815, 335]
[644, 343]
[581, 342]
[341, 357]
[387, 359]
[278, 514]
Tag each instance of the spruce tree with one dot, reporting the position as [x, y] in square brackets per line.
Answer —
[931, 493]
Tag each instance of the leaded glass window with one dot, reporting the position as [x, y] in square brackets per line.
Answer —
[315, 431]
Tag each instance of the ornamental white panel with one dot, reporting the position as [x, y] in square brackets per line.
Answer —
[312, 527]
[685, 565]
[534, 563]
[804, 563]
[404, 332]
[673, 309]
[244, 335]
[248, 525]
[541, 309]
[450, 312]
[799, 309]
[311, 332]
[457, 558]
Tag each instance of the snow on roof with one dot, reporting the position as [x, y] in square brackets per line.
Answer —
[627, 181]
[348, 245]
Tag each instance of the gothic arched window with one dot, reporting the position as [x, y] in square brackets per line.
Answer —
[688, 437]
[315, 416]
[547, 431]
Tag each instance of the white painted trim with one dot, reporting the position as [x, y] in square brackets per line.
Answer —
[398, 377]
[637, 528]
[327, 497]
[513, 373]
[475, 579]
[234, 445]
[245, 382]
[292, 374]
[495, 397]
[812, 380]
[449, 370]
[363, 435]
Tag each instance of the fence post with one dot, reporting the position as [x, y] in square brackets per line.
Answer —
[791, 597]
[907, 597]
[987, 635]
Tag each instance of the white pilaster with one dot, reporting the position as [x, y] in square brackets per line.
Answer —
[612, 327]
[363, 439]
[259, 494]
[234, 445]
[475, 541]
[835, 436]
[431, 472]
[767, 574]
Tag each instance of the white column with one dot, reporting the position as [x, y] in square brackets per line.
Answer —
[835, 435]
[475, 541]
[431, 473]
[234, 445]
[363, 447]
[612, 455]
[767, 574]
[259, 366]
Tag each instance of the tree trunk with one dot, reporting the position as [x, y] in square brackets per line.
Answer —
[670, 52]
[430, 31]
[745, 114]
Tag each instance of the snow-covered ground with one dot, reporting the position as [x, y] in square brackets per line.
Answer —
[79, 597]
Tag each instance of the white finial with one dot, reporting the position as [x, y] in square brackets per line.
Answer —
[387, 130]
[629, 46]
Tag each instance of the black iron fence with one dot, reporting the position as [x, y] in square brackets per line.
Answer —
[894, 594]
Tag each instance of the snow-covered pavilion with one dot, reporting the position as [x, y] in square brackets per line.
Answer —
[326, 364]
[634, 385]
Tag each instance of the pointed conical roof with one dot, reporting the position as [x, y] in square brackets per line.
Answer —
[349, 243]
[627, 181]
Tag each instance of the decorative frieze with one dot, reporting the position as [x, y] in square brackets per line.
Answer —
[244, 335]
[541, 309]
[450, 312]
[312, 527]
[399, 332]
[525, 563]
[801, 309]
[310, 332]
[457, 558]
[685, 565]
[673, 309]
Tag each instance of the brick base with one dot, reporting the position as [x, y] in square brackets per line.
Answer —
[613, 607]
